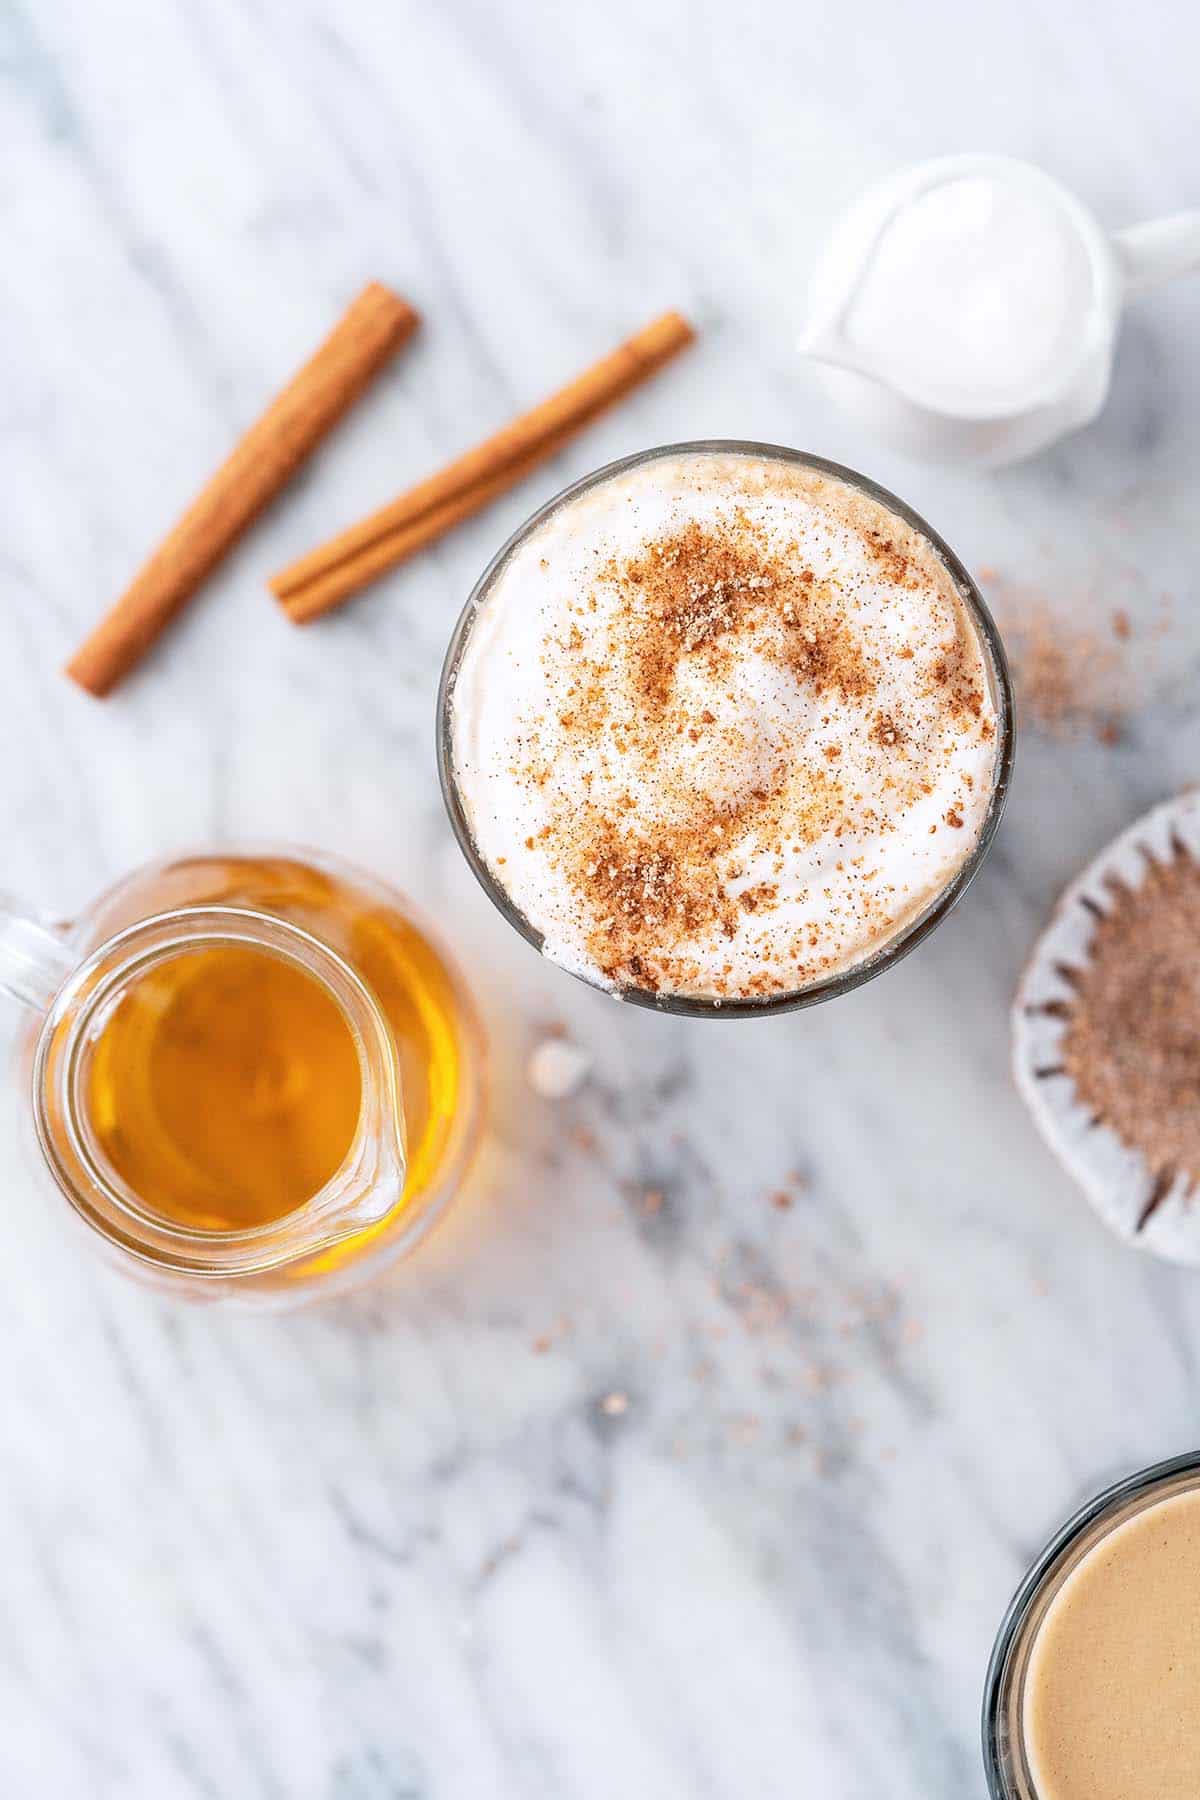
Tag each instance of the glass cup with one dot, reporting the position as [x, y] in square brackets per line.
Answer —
[1005, 1757]
[414, 1033]
[919, 927]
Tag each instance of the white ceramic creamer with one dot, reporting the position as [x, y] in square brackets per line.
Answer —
[966, 309]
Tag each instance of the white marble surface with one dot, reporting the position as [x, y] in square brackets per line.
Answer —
[386, 1548]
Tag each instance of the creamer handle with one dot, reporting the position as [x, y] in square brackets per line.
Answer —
[1158, 250]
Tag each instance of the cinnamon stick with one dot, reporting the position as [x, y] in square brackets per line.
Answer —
[331, 574]
[324, 593]
[368, 333]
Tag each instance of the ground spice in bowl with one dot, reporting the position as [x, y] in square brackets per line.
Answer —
[1132, 1039]
[1106, 1031]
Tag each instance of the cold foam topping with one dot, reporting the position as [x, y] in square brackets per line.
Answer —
[722, 727]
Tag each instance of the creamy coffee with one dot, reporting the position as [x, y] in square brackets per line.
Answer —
[1112, 1690]
[722, 726]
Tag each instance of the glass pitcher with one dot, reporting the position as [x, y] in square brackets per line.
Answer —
[254, 1076]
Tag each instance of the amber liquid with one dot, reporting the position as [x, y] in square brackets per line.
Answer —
[224, 1087]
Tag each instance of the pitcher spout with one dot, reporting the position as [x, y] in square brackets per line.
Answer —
[829, 346]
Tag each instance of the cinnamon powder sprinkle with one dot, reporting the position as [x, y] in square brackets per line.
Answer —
[693, 592]
[1131, 1043]
[1076, 674]
[696, 585]
[653, 891]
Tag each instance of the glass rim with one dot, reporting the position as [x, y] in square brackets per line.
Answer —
[1111, 1499]
[918, 928]
[133, 952]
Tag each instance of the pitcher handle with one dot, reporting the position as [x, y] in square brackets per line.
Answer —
[34, 961]
[1158, 250]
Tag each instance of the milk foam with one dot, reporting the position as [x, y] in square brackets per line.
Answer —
[770, 802]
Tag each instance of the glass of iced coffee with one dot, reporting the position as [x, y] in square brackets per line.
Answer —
[1092, 1689]
[725, 729]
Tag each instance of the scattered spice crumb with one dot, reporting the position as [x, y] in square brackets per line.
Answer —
[816, 1378]
[1072, 677]
[546, 1340]
[761, 1308]
[745, 1428]
[782, 1200]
